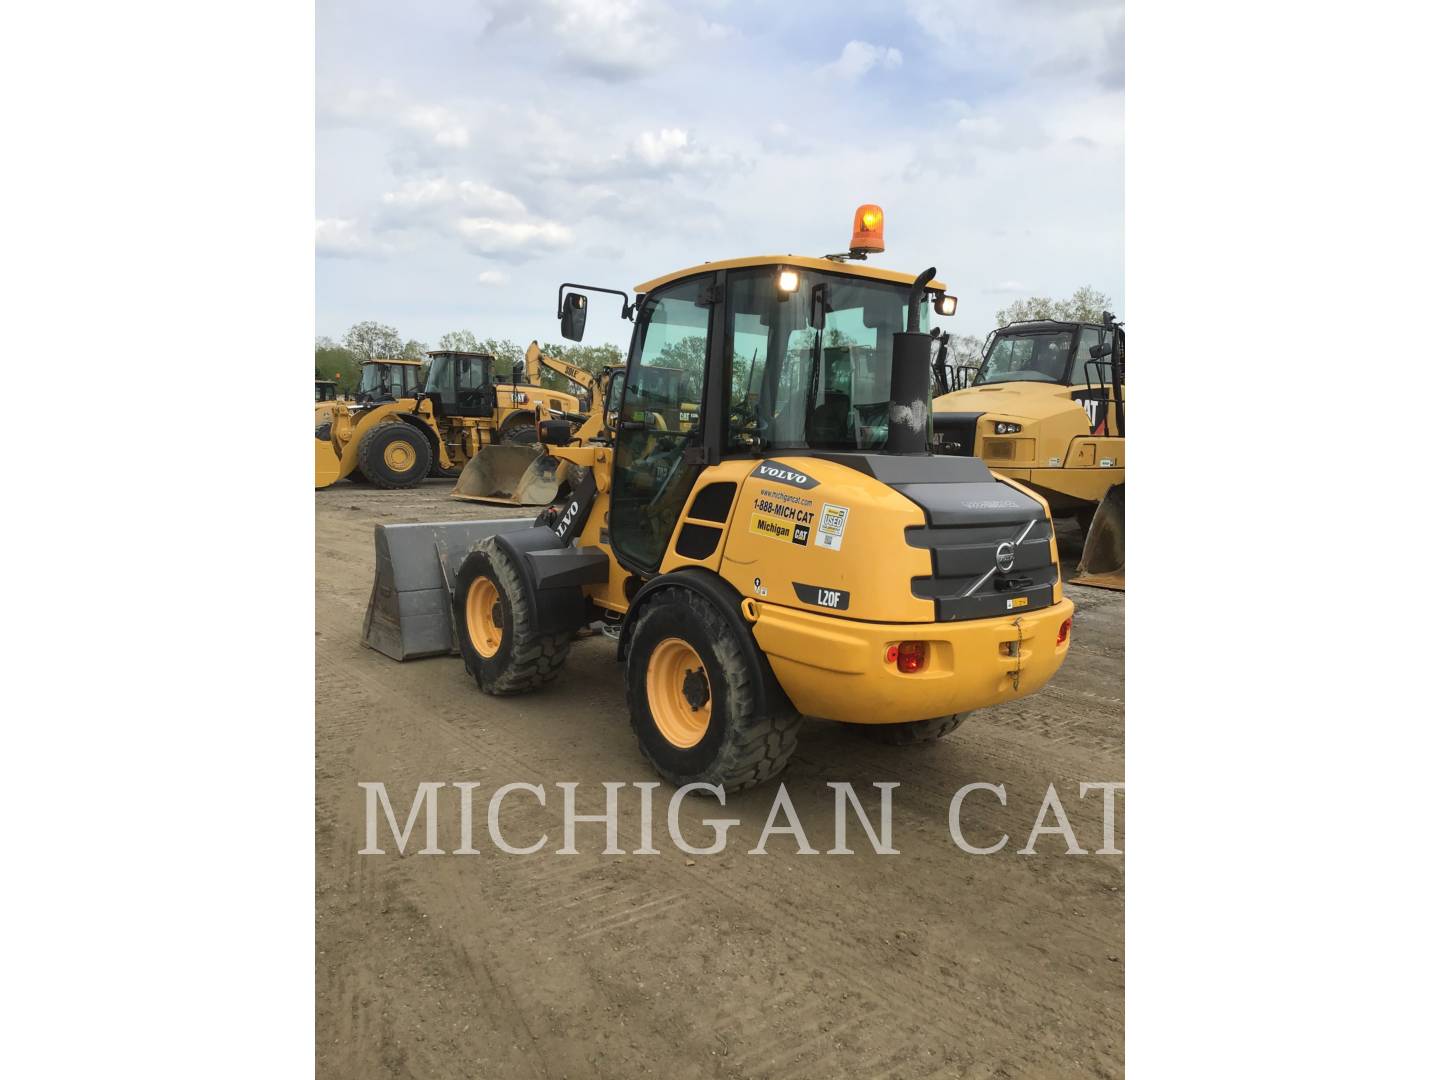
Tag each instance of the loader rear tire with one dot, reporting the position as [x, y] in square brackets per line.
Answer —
[915, 731]
[694, 708]
[495, 626]
[394, 455]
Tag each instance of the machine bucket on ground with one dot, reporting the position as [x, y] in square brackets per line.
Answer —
[415, 566]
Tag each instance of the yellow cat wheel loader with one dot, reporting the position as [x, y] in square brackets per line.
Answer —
[516, 471]
[396, 432]
[795, 550]
[1046, 406]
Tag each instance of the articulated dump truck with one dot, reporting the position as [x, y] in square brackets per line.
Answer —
[1046, 406]
[788, 547]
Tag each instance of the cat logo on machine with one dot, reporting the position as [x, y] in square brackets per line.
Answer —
[783, 474]
[832, 599]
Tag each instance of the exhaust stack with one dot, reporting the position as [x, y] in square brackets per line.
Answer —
[910, 380]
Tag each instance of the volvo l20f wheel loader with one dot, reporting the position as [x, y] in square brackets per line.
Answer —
[791, 549]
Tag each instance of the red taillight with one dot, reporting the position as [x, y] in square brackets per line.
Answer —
[910, 657]
[1064, 634]
[892, 654]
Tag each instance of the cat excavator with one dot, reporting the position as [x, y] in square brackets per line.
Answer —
[792, 549]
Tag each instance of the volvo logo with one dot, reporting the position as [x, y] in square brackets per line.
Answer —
[1004, 556]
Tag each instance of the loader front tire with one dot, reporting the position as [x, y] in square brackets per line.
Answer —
[495, 626]
[394, 455]
[520, 433]
[693, 704]
[915, 731]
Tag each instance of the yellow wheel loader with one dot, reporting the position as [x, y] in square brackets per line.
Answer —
[796, 550]
[1046, 406]
[516, 471]
[396, 433]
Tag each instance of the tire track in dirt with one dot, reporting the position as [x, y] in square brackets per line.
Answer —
[739, 966]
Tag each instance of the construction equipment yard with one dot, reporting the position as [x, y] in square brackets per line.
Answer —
[929, 962]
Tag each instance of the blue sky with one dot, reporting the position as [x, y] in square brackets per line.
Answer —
[472, 156]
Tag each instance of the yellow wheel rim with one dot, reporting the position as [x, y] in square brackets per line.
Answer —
[678, 688]
[483, 617]
[400, 456]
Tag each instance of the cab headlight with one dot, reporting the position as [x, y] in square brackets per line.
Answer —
[1004, 427]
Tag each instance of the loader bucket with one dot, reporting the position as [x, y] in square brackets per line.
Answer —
[508, 475]
[1102, 562]
[415, 567]
[327, 463]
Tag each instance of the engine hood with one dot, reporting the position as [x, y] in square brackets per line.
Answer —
[1022, 400]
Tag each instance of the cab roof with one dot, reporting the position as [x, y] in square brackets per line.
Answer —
[1028, 325]
[829, 266]
[381, 360]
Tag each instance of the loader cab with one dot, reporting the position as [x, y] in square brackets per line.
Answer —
[743, 359]
[325, 390]
[388, 380]
[462, 383]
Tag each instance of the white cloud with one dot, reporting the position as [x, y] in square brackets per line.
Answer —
[344, 238]
[441, 125]
[513, 240]
[610, 40]
[492, 277]
[417, 198]
[858, 58]
[1060, 40]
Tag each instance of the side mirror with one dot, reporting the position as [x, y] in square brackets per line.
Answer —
[1097, 351]
[572, 317]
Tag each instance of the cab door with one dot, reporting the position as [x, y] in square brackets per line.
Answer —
[659, 435]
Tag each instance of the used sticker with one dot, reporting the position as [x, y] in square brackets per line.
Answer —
[832, 526]
[1017, 601]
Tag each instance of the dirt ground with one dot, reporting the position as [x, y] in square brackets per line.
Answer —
[929, 963]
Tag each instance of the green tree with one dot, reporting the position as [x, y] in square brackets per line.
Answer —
[373, 341]
[1086, 304]
[459, 341]
[507, 353]
[334, 361]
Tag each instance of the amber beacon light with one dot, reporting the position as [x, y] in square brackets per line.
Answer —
[869, 232]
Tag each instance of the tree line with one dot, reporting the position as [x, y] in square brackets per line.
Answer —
[340, 360]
